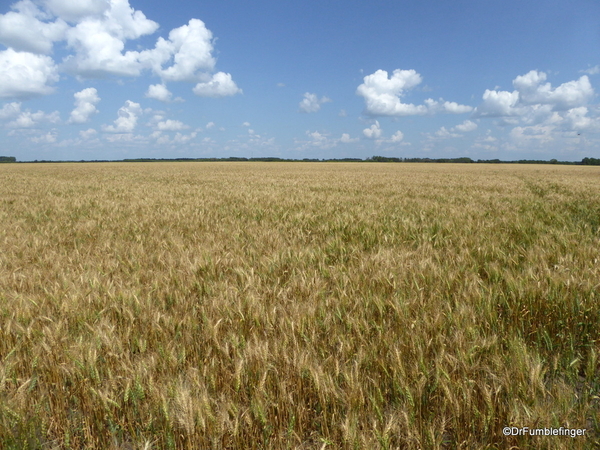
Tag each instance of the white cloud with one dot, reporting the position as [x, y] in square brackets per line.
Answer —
[27, 119]
[75, 10]
[567, 95]
[498, 104]
[576, 119]
[245, 124]
[184, 138]
[541, 115]
[48, 138]
[466, 126]
[127, 120]
[398, 136]
[29, 8]
[221, 85]
[96, 33]
[312, 103]
[346, 139]
[159, 92]
[191, 48]
[85, 105]
[88, 134]
[10, 110]
[179, 138]
[382, 94]
[100, 41]
[592, 70]
[443, 133]
[171, 125]
[540, 134]
[442, 106]
[25, 75]
[323, 141]
[534, 97]
[316, 136]
[126, 138]
[23, 31]
[211, 125]
[320, 140]
[373, 132]
[342, 113]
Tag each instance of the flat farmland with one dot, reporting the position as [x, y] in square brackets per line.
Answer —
[298, 305]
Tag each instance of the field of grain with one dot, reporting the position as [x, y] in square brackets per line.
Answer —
[298, 305]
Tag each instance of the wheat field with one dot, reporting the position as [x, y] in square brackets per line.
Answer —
[298, 305]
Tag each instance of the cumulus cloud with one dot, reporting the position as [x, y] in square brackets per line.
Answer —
[127, 120]
[25, 75]
[23, 31]
[88, 134]
[346, 139]
[466, 126]
[221, 85]
[47, 138]
[74, 11]
[99, 35]
[540, 134]
[531, 94]
[171, 125]
[532, 90]
[442, 106]
[540, 113]
[398, 136]
[592, 70]
[28, 119]
[85, 105]
[383, 96]
[311, 103]
[190, 47]
[443, 133]
[10, 110]
[373, 132]
[316, 136]
[576, 119]
[159, 92]
[100, 40]
[320, 140]
[323, 140]
[96, 33]
[498, 104]
[179, 138]
[454, 132]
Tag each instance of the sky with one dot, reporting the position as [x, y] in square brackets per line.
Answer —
[116, 79]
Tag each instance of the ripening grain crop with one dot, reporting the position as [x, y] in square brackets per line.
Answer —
[298, 305]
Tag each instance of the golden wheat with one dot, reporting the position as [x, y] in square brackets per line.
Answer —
[298, 305]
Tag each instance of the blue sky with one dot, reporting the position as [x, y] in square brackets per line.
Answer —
[114, 79]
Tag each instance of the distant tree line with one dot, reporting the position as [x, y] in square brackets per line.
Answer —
[387, 159]
[465, 160]
[590, 161]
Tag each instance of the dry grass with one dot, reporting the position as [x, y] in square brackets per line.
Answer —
[298, 306]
